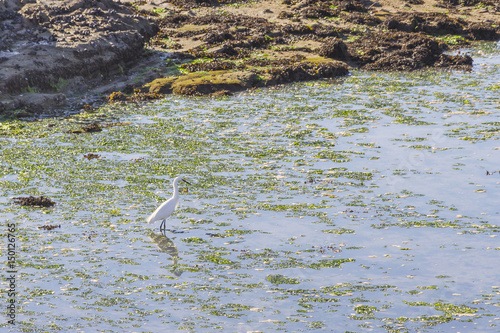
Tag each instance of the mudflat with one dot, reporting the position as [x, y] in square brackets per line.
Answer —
[73, 55]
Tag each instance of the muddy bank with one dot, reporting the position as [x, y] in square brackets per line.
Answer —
[273, 42]
[73, 53]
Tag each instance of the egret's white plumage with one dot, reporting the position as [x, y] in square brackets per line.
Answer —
[168, 207]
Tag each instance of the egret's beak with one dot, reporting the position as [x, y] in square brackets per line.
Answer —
[185, 181]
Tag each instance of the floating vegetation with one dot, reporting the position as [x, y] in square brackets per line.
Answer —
[49, 226]
[339, 231]
[34, 201]
[194, 240]
[91, 128]
[114, 124]
[282, 180]
[90, 234]
[330, 263]
[281, 279]
[92, 156]
[328, 249]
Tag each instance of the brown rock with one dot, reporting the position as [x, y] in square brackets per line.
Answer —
[50, 42]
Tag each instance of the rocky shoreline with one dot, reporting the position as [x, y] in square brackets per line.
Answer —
[72, 55]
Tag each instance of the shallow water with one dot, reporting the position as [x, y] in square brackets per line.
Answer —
[362, 204]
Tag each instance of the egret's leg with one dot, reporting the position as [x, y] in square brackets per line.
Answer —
[163, 231]
[162, 225]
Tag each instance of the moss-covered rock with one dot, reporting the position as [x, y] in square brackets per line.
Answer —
[204, 83]
[207, 83]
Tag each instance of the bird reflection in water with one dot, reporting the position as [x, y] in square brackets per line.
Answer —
[166, 245]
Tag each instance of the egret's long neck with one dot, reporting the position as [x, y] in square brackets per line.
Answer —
[176, 189]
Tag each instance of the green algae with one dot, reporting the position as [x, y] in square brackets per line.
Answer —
[281, 279]
[278, 179]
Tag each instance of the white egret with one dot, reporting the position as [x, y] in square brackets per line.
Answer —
[168, 207]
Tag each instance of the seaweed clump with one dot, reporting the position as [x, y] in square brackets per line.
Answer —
[34, 201]
[49, 226]
[402, 51]
[91, 128]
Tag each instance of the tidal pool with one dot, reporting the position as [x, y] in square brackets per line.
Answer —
[369, 203]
